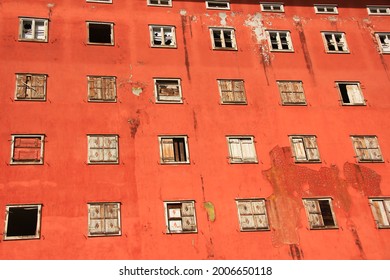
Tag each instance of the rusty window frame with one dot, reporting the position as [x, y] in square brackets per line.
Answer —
[327, 9]
[41, 138]
[185, 216]
[223, 38]
[101, 150]
[309, 152]
[250, 217]
[110, 24]
[28, 87]
[320, 213]
[383, 39]
[106, 83]
[367, 148]
[272, 7]
[166, 31]
[237, 152]
[380, 209]
[174, 149]
[176, 97]
[379, 10]
[292, 97]
[354, 95]
[37, 226]
[232, 91]
[35, 33]
[335, 39]
[110, 218]
[278, 39]
[218, 4]
[165, 3]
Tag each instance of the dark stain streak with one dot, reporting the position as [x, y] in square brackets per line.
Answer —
[134, 124]
[305, 50]
[385, 66]
[295, 252]
[356, 237]
[186, 61]
[264, 63]
[195, 120]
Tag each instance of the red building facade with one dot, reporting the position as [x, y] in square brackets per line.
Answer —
[192, 130]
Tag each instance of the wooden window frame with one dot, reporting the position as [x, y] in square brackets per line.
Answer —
[105, 221]
[31, 161]
[378, 8]
[303, 140]
[242, 159]
[333, 41]
[159, 3]
[318, 213]
[221, 31]
[286, 100]
[177, 152]
[380, 209]
[38, 225]
[90, 137]
[215, 2]
[111, 24]
[366, 138]
[349, 94]
[103, 97]
[100, 1]
[247, 216]
[326, 7]
[182, 218]
[384, 48]
[239, 96]
[279, 41]
[272, 6]
[28, 88]
[33, 29]
[163, 32]
[158, 82]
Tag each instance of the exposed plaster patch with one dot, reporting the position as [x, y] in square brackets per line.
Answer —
[136, 90]
[183, 12]
[256, 24]
[209, 206]
[223, 17]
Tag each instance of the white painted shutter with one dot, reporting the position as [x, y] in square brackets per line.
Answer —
[299, 149]
[373, 148]
[354, 94]
[360, 148]
[311, 148]
[314, 212]
[248, 150]
[168, 154]
[235, 150]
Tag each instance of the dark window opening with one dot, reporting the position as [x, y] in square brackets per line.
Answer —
[22, 221]
[344, 93]
[227, 35]
[100, 33]
[217, 39]
[326, 212]
[179, 149]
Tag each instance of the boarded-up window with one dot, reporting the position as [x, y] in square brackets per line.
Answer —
[103, 149]
[380, 208]
[232, 91]
[218, 4]
[162, 36]
[104, 219]
[383, 41]
[168, 90]
[252, 214]
[242, 149]
[33, 29]
[305, 148]
[280, 40]
[160, 2]
[30, 87]
[272, 7]
[180, 216]
[351, 93]
[101, 88]
[22, 222]
[367, 148]
[100, 33]
[320, 213]
[223, 38]
[174, 149]
[335, 42]
[27, 149]
[291, 92]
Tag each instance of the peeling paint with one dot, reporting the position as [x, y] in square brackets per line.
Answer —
[256, 24]
[209, 206]
[183, 12]
[134, 124]
[136, 90]
[223, 17]
[302, 38]
[186, 59]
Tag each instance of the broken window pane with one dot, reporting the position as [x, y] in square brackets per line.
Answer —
[22, 222]
[223, 38]
[100, 33]
[280, 40]
[33, 29]
[168, 90]
[335, 42]
[163, 36]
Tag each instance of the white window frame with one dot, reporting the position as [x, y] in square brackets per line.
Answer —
[252, 214]
[238, 94]
[111, 24]
[34, 32]
[100, 1]
[158, 82]
[273, 7]
[21, 162]
[384, 47]
[279, 41]
[28, 88]
[315, 214]
[38, 225]
[164, 140]
[237, 154]
[354, 93]
[378, 11]
[163, 32]
[216, 2]
[287, 97]
[91, 137]
[380, 208]
[186, 215]
[159, 3]
[305, 148]
[104, 222]
[222, 38]
[102, 95]
[367, 148]
[328, 9]
[333, 41]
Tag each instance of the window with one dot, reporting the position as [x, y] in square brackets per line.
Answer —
[168, 90]
[325, 9]
[280, 41]
[104, 219]
[380, 208]
[100, 1]
[223, 38]
[291, 92]
[383, 39]
[27, 149]
[100, 33]
[272, 7]
[218, 4]
[367, 148]
[22, 222]
[160, 3]
[351, 93]
[335, 42]
[232, 91]
[320, 213]
[30, 87]
[180, 216]
[173, 149]
[162, 36]
[305, 148]
[33, 29]
[252, 214]
[101, 89]
[241, 149]
[378, 10]
[103, 149]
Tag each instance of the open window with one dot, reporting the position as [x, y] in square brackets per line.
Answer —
[22, 222]
[168, 90]
[101, 89]
[173, 149]
[380, 207]
[103, 149]
[218, 4]
[27, 149]
[291, 92]
[241, 149]
[162, 36]
[367, 148]
[180, 216]
[33, 29]
[100, 33]
[319, 212]
[305, 148]
[280, 41]
[351, 93]
[104, 219]
[223, 38]
[335, 42]
[232, 91]
[252, 214]
[30, 87]
[383, 39]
